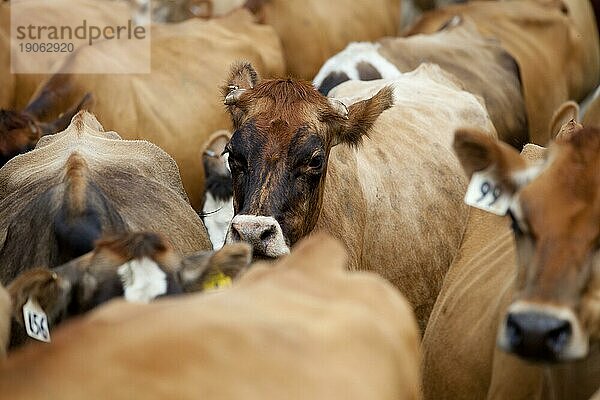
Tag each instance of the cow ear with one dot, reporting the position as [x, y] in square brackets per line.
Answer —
[206, 270]
[48, 288]
[478, 151]
[564, 121]
[360, 116]
[241, 78]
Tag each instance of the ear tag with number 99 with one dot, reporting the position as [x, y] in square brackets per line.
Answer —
[485, 193]
[36, 322]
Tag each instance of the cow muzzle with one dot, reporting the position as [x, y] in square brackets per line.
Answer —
[542, 333]
[264, 234]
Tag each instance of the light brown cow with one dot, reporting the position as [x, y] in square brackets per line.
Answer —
[591, 111]
[311, 31]
[555, 44]
[554, 304]
[78, 185]
[177, 106]
[18, 88]
[140, 266]
[304, 329]
[482, 65]
[391, 190]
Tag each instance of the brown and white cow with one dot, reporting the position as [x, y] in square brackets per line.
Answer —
[483, 66]
[388, 186]
[176, 106]
[554, 42]
[218, 197]
[81, 184]
[304, 329]
[140, 267]
[540, 299]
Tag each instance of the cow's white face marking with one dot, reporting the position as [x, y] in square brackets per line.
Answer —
[347, 60]
[217, 223]
[143, 280]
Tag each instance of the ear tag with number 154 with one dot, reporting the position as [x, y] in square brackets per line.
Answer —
[485, 193]
[36, 321]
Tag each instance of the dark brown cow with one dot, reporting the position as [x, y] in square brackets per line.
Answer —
[138, 266]
[81, 184]
[278, 155]
[20, 131]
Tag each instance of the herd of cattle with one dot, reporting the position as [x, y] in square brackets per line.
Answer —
[421, 220]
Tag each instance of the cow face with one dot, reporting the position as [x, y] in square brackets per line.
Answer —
[278, 154]
[555, 213]
[19, 133]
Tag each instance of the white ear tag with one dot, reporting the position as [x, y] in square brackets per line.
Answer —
[36, 322]
[143, 280]
[485, 193]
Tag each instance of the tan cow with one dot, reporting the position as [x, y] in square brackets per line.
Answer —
[391, 190]
[75, 186]
[591, 110]
[311, 31]
[553, 294]
[555, 44]
[306, 329]
[482, 65]
[139, 266]
[177, 105]
[18, 88]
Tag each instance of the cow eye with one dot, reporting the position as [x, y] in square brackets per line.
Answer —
[316, 162]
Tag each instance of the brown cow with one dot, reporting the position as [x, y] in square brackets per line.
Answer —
[177, 106]
[304, 329]
[482, 65]
[549, 318]
[555, 44]
[138, 266]
[80, 184]
[290, 178]
[20, 131]
[311, 31]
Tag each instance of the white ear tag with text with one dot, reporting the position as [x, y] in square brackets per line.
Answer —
[36, 322]
[485, 193]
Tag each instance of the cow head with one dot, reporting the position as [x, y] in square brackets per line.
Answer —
[111, 270]
[555, 213]
[20, 131]
[278, 154]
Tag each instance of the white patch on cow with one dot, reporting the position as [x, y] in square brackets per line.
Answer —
[226, 161]
[36, 321]
[143, 280]
[347, 60]
[251, 228]
[524, 176]
[578, 344]
[218, 215]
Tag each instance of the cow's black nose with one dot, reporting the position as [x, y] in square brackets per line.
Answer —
[536, 335]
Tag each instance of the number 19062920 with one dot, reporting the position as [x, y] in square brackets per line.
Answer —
[46, 47]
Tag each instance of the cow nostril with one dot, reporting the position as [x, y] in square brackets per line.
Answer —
[267, 234]
[558, 337]
[514, 333]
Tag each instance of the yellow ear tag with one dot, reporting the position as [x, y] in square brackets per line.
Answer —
[216, 281]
